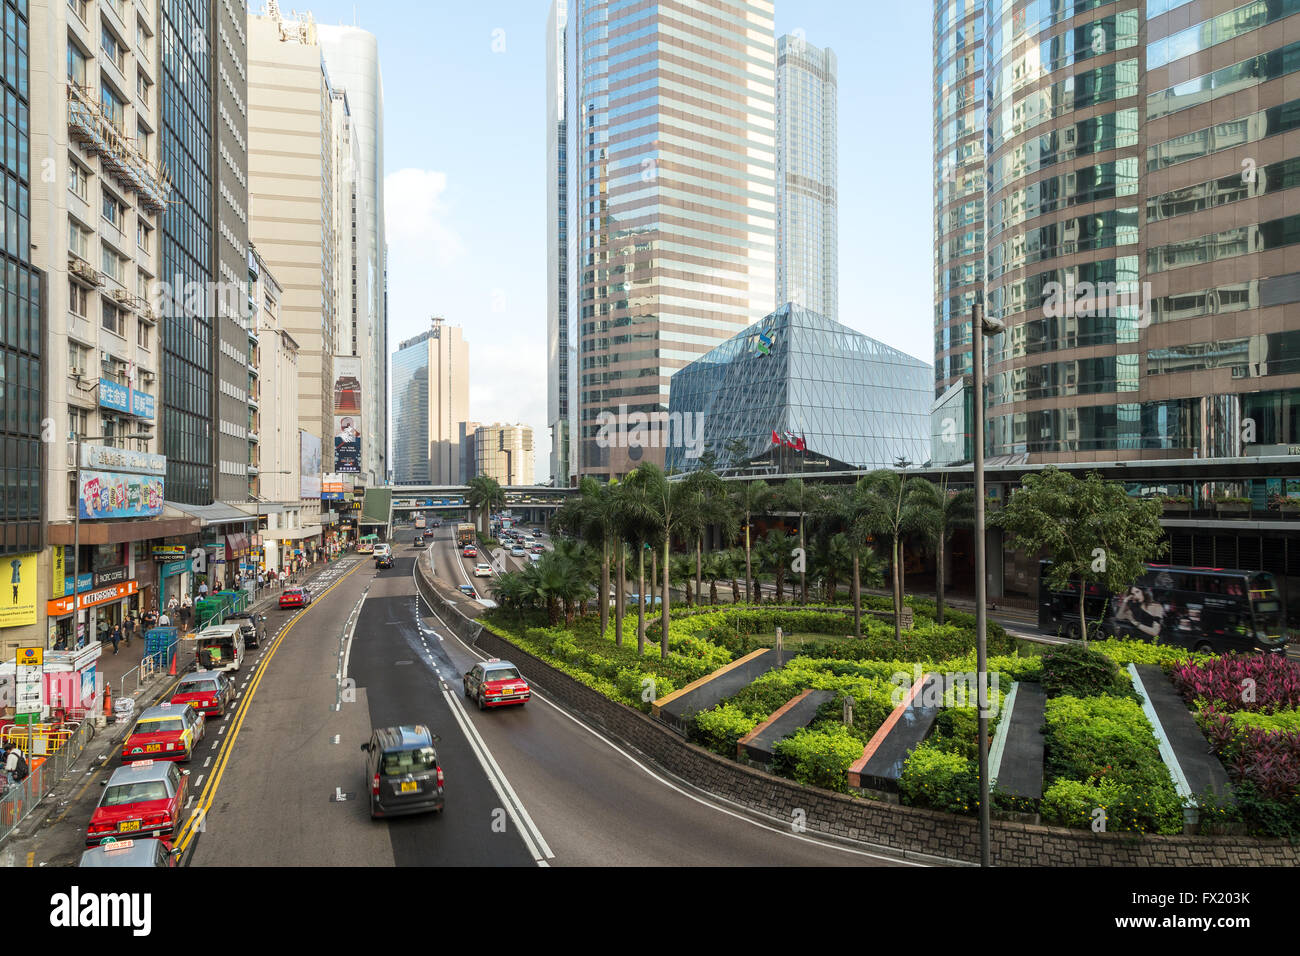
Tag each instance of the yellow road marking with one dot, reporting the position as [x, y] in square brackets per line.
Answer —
[31, 858]
[227, 746]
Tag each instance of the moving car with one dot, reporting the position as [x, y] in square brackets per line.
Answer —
[144, 799]
[482, 570]
[220, 647]
[467, 590]
[402, 771]
[537, 549]
[164, 732]
[382, 550]
[208, 692]
[495, 683]
[295, 597]
[534, 557]
[146, 852]
[384, 561]
[419, 540]
[469, 551]
[248, 624]
[518, 551]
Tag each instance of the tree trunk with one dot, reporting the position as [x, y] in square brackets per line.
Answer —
[640, 601]
[699, 570]
[857, 593]
[749, 574]
[780, 583]
[620, 597]
[898, 591]
[735, 591]
[938, 583]
[663, 637]
[654, 578]
[604, 588]
[713, 591]
[1083, 621]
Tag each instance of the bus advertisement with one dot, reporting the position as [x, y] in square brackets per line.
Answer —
[464, 534]
[1203, 609]
[367, 544]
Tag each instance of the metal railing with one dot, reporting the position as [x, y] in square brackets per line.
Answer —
[20, 799]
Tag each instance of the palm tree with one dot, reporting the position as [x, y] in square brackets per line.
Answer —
[944, 512]
[683, 569]
[710, 505]
[833, 558]
[638, 524]
[775, 551]
[672, 505]
[735, 559]
[592, 518]
[485, 494]
[795, 495]
[886, 506]
[750, 499]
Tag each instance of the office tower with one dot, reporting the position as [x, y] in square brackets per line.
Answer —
[958, 184]
[430, 404]
[671, 127]
[807, 206]
[559, 346]
[504, 452]
[468, 454]
[352, 61]
[293, 169]
[275, 411]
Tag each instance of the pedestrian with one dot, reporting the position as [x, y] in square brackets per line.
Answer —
[11, 757]
[115, 635]
[203, 589]
[187, 613]
[164, 620]
[128, 625]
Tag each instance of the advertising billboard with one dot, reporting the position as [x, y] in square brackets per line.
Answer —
[18, 600]
[331, 488]
[111, 495]
[309, 459]
[347, 414]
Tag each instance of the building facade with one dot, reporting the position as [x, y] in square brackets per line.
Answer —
[505, 453]
[671, 169]
[559, 340]
[352, 59]
[293, 169]
[430, 404]
[273, 396]
[807, 204]
[795, 392]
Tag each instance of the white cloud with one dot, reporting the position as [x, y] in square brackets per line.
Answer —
[415, 214]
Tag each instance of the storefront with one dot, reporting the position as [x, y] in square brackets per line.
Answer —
[90, 616]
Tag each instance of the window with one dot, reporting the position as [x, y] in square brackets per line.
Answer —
[112, 46]
[114, 211]
[79, 8]
[143, 138]
[76, 64]
[78, 180]
[113, 318]
[112, 265]
[76, 360]
[76, 426]
[77, 299]
[142, 38]
[143, 234]
[142, 335]
[79, 240]
[112, 105]
[142, 86]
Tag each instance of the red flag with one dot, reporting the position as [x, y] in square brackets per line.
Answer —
[775, 439]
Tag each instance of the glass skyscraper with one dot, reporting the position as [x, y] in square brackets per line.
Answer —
[807, 206]
[797, 391]
[411, 412]
[22, 325]
[559, 341]
[672, 196]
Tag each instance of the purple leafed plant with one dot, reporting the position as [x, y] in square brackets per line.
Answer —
[1235, 683]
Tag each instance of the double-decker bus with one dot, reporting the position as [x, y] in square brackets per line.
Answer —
[1205, 609]
[419, 521]
[464, 534]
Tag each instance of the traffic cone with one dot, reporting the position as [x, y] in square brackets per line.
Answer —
[171, 671]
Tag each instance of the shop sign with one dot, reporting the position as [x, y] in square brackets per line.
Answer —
[114, 396]
[30, 678]
[58, 561]
[173, 568]
[66, 605]
[170, 552]
[110, 575]
[101, 458]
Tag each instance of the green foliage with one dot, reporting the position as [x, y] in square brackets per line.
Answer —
[1283, 721]
[1124, 652]
[1104, 747]
[720, 728]
[940, 779]
[818, 757]
[1078, 671]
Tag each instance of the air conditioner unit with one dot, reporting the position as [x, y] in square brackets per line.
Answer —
[105, 358]
[147, 376]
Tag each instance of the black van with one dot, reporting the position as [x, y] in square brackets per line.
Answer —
[402, 771]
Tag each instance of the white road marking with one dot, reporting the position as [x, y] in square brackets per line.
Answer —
[208, 761]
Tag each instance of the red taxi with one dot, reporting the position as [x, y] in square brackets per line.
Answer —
[496, 683]
[144, 799]
[469, 551]
[295, 597]
[208, 692]
[164, 732]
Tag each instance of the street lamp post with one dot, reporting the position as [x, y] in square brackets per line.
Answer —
[980, 326]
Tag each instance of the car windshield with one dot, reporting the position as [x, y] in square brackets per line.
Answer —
[401, 762]
[504, 673]
[165, 725]
[197, 686]
[116, 796]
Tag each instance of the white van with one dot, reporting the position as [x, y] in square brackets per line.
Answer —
[220, 647]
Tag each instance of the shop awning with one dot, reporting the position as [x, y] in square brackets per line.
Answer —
[216, 513]
[236, 545]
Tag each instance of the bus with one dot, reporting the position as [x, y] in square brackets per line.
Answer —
[367, 544]
[464, 534]
[419, 521]
[1202, 609]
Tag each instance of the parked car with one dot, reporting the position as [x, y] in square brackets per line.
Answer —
[164, 732]
[208, 692]
[143, 799]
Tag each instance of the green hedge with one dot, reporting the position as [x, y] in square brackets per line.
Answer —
[940, 779]
[719, 729]
[819, 757]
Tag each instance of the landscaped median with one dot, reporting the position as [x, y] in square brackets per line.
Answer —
[616, 687]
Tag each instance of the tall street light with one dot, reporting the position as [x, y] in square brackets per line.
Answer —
[980, 326]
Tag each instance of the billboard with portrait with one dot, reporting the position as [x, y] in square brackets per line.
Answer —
[347, 414]
[309, 484]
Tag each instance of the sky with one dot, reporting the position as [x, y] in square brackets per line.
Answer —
[465, 177]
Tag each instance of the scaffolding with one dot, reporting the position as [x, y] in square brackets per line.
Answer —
[88, 126]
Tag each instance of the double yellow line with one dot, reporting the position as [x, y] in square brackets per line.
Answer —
[189, 828]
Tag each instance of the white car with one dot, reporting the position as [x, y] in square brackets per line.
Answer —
[482, 571]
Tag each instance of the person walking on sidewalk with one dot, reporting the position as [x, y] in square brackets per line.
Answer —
[115, 635]
[128, 626]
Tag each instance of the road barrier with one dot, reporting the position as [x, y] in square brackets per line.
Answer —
[20, 799]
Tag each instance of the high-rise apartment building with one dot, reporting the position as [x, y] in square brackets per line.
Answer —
[807, 205]
[273, 414]
[293, 170]
[671, 170]
[352, 60]
[430, 404]
[559, 341]
[504, 452]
